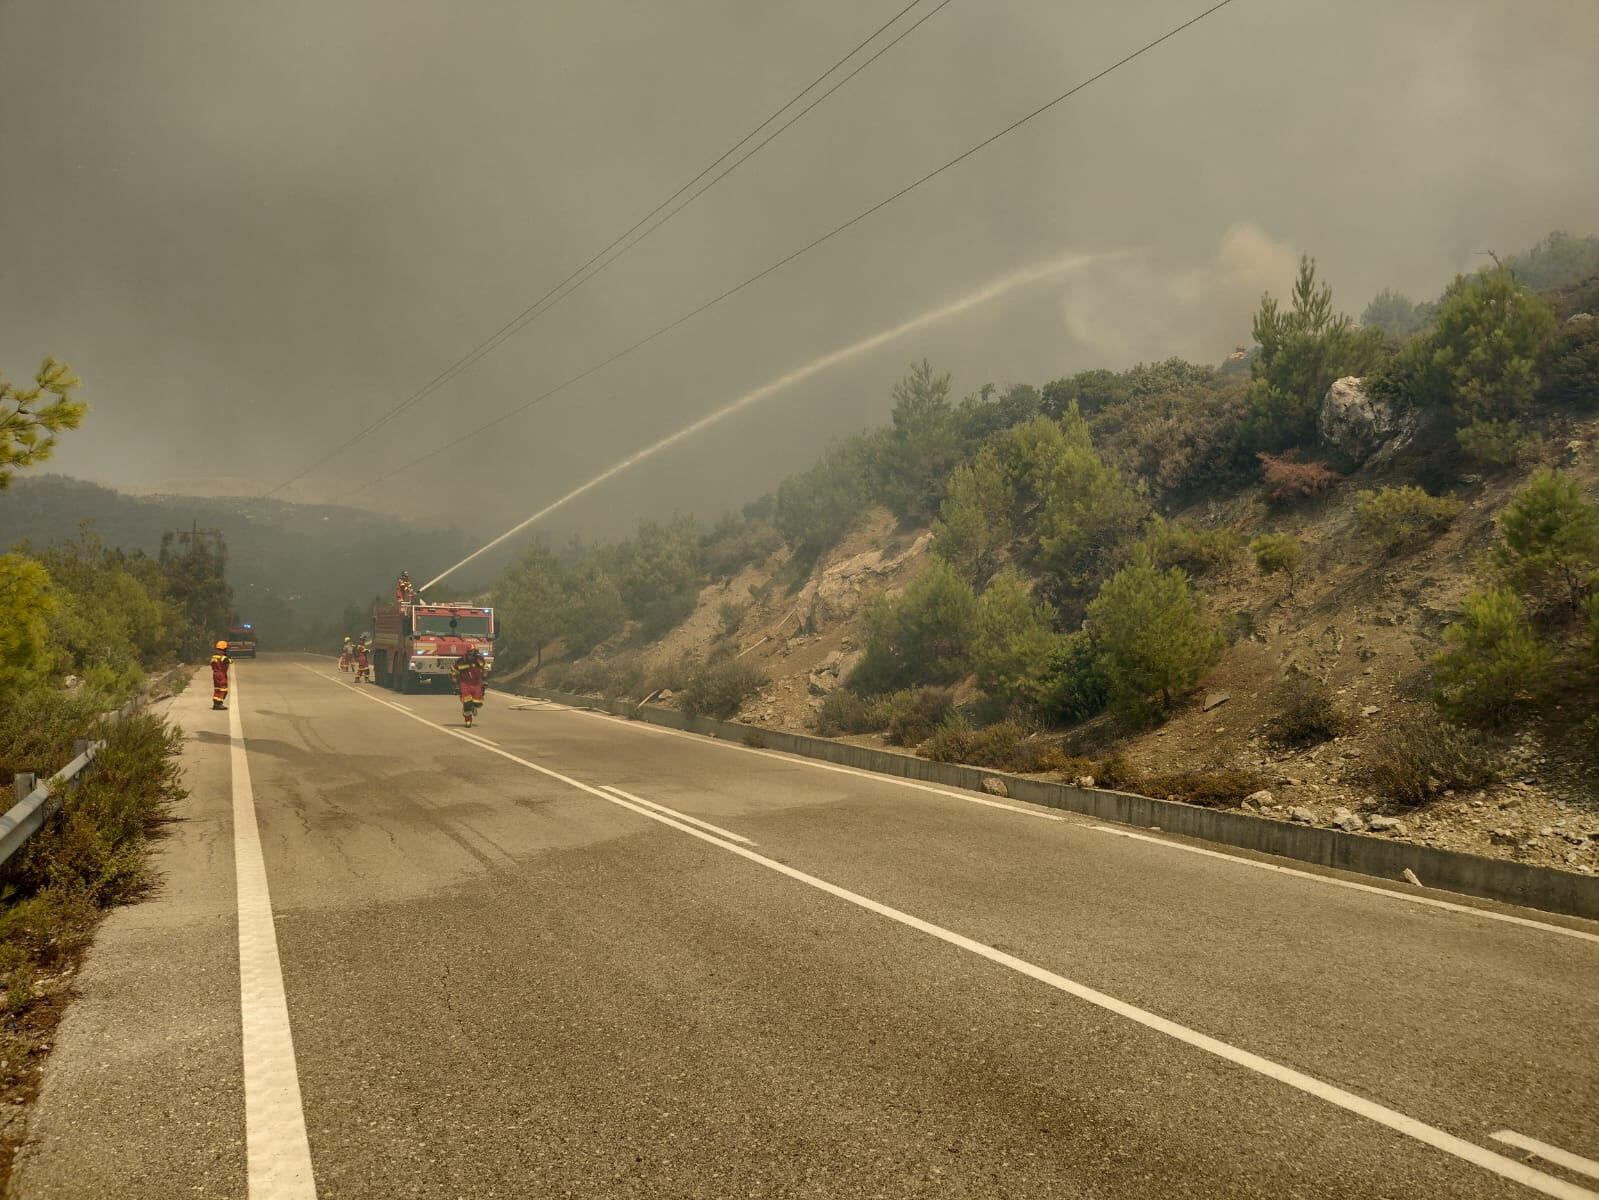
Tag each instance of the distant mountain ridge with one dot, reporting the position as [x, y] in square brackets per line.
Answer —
[315, 558]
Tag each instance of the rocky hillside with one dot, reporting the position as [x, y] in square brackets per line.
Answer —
[1360, 598]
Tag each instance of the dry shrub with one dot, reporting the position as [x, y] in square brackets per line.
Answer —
[843, 711]
[1212, 787]
[1287, 479]
[1306, 713]
[717, 689]
[915, 714]
[1418, 757]
[1005, 746]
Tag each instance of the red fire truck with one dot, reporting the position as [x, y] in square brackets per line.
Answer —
[415, 643]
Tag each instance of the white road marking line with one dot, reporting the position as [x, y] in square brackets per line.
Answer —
[1554, 1154]
[480, 738]
[795, 760]
[1430, 1135]
[278, 1152]
[1427, 901]
[672, 812]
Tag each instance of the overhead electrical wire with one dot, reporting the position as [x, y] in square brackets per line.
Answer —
[555, 294]
[790, 257]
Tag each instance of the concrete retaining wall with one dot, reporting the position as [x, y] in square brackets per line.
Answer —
[1471, 874]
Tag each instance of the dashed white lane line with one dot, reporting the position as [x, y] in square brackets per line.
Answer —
[672, 812]
[1427, 901]
[1554, 1154]
[1429, 1135]
[278, 1153]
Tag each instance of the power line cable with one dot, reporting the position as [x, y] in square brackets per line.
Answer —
[540, 306]
[788, 258]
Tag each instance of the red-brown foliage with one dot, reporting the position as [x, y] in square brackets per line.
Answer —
[1288, 480]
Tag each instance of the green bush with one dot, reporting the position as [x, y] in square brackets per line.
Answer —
[1154, 640]
[1494, 445]
[1004, 746]
[1551, 538]
[1397, 518]
[1305, 713]
[717, 689]
[1494, 659]
[1183, 544]
[1072, 684]
[1178, 443]
[1278, 553]
[916, 713]
[843, 711]
[922, 636]
[1416, 757]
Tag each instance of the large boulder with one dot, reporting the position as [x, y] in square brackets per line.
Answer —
[1352, 422]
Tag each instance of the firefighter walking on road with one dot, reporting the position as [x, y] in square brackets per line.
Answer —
[220, 662]
[471, 672]
[363, 661]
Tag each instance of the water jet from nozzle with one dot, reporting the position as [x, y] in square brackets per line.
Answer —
[989, 291]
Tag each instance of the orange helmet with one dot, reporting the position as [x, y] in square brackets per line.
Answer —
[222, 645]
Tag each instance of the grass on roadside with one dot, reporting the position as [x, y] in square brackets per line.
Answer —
[91, 855]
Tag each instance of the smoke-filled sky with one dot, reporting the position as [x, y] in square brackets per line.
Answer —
[253, 228]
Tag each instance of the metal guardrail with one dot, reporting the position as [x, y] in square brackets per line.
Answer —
[37, 802]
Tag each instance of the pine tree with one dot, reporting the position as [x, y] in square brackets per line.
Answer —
[1494, 659]
[29, 420]
[1551, 537]
[1155, 642]
[1489, 343]
[975, 520]
[1014, 641]
[1278, 553]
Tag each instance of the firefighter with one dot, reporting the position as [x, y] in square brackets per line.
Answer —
[471, 672]
[220, 662]
[347, 654]
[404, 592]
[363, 661]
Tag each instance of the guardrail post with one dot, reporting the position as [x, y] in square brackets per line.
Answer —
[80, 746]
[24, 783]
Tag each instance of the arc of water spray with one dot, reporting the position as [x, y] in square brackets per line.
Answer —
[989, 291]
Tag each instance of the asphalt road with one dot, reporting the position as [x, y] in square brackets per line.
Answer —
[567, 955]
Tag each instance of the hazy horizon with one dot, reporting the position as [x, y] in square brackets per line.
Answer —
[253, 231]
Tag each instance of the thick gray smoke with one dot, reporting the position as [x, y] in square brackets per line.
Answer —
[254, 228]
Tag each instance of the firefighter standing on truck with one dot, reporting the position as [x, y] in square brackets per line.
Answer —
[470, 671]
[220, 662]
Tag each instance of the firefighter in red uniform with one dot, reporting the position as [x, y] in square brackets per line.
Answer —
[470, 671]
[404, 593]
[220, 662]
[363, 661]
